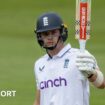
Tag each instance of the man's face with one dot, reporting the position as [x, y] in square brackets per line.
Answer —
[50, 38]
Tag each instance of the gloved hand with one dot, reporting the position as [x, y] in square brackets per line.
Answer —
[86, 63]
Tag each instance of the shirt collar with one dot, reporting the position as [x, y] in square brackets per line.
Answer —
[62, 52]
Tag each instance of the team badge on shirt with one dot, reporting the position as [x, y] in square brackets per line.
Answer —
[66, 63]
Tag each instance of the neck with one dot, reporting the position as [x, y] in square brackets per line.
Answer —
[55, 51]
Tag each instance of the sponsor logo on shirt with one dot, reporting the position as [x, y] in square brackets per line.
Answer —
[41, 68]
[57, 82]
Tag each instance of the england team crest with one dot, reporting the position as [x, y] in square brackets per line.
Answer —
[66, 63]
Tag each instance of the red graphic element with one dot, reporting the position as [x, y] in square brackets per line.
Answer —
[83, 20]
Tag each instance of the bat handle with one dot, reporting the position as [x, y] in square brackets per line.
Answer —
[82, 44]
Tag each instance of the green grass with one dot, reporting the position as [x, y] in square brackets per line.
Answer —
[19, 49]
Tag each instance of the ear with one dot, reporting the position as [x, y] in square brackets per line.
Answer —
[64, 32]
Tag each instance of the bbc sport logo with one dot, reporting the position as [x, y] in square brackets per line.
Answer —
[7, 93]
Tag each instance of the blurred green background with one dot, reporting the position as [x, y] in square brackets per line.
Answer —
[19, 49]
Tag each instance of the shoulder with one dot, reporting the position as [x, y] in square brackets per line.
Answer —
[41, 60]
[77, 50]
[39, 63]
[74, 51]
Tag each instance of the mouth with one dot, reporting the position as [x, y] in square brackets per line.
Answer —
[49, 42]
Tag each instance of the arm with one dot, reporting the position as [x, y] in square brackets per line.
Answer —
[87, 65]
[97, 79]
[37, 99]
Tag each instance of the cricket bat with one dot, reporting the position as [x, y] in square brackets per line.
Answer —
[83, 18]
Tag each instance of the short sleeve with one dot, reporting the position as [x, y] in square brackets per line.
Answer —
[36, 76]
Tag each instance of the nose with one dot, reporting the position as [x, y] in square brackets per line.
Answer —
[50, 36]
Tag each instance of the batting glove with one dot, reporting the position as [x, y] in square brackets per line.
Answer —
[86, 63]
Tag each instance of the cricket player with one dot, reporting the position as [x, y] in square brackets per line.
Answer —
[63, 73]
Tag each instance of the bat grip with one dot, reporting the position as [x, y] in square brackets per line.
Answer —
[82, 44]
